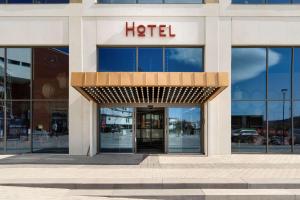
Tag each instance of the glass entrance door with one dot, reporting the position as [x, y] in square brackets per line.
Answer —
[150, 130]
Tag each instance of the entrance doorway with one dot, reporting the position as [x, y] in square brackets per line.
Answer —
[150, 130]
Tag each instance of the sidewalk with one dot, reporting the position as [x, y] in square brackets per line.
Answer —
[140, 176]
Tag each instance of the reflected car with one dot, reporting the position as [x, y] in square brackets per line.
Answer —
[244, 136]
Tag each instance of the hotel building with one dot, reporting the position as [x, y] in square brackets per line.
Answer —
[150, 76]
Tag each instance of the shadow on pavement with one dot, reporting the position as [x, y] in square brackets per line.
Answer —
[59, 159]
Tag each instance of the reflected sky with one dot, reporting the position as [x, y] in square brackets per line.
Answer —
[184, 59]
[150, 1]
[249, 73]
[297, 73]
[150, 59]
[279, 73]
[187, 114]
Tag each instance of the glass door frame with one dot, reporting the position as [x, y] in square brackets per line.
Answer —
[203, 134]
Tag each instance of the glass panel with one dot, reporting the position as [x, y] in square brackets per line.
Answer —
[116, 129]
[18, 126]
[150, 59]
[117, 1]
[296, 126]
[50, 127]
[279, 126]
[2, 90]
[20, 1]
[117, 59]
[52, 1]
[183, 1]
[1, 126]
[51, 74]
[151, 1]
[184, 130]
[278, 1]
[296, 73]
[248, 73]
[18, 73]
[248, 1]
[184, 60]
[248, 130]
[279, 73]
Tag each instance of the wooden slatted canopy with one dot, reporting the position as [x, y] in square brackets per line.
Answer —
[149, 87]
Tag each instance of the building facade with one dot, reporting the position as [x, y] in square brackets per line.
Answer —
[159, 76]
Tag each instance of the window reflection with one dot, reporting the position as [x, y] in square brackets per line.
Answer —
[184, 130]
[248, 1]
[117, 1]
[50, 127]
[18, 126]
[184, 60]
[2, 60]
[248, 126]
[149, 1]
[296, 73]
[18, 73]
[117, 59]
[1, 126]
[296, 119]
[51, 72]
[150, 60]
[248, 73]
[116, 129]
[265, 1]
[183, 1]
[279, 126]
[279, 73]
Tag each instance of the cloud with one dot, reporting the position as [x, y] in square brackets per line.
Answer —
[186, 55]
[250, 62]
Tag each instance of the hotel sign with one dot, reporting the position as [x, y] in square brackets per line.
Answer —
[149, 30]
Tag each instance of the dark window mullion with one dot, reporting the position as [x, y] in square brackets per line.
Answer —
[4, 109]
[266, 100]
[292, 98]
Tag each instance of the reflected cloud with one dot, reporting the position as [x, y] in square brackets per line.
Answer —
[250, 62]
[186, 55]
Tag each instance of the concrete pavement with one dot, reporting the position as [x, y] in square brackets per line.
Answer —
[129, 176]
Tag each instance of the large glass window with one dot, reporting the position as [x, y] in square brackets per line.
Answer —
[296, 121]
[2, 142]
[116, 129]
[50, 127]
[18, 126]
[117, 59]
[18, 73]
[150, 59]
[184, 130]
[248, 126]
[279, 73]
[184, 60]
[150, 1]
[249, 73]
[35, 97]
[265, 1]
[271, 84]
[33, 1]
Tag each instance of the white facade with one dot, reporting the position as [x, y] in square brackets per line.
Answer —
[85, 26]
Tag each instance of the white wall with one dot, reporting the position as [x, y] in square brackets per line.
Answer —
[84, 26]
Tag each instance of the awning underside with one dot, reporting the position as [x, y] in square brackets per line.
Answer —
[158, 88]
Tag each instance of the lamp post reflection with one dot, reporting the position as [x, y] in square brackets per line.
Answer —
[283, 91]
